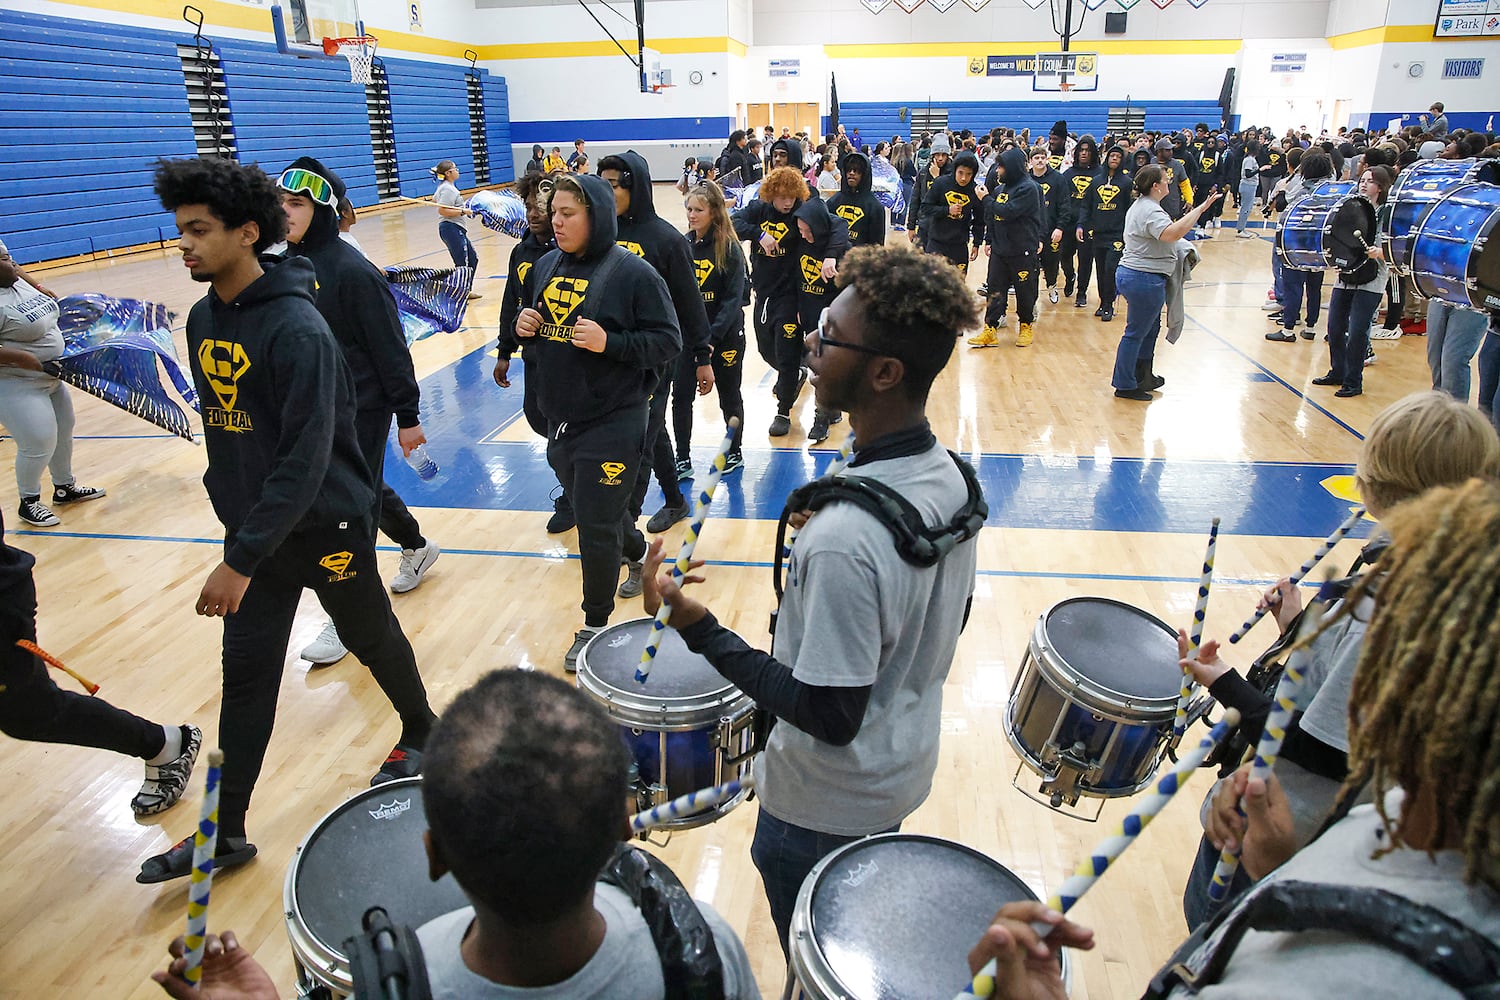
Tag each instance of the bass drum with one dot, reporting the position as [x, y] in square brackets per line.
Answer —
[1418, 190]
[1331, 227]
[892, 917]
[1455, 254]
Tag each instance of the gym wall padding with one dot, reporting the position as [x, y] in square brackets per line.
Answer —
[87, 108]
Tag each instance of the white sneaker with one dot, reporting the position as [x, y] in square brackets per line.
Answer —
[414, 565]
[1381, 333]
[1052, 296]
[1001, 324]
[326, 649]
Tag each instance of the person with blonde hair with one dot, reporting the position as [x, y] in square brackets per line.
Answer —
[720, 266]
[1422, 441]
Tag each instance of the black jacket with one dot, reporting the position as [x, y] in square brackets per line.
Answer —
[575, 386]
[1078, 183]
[652, 238]
[1109, 199]
[922, 182]
[816, 292]
[1013, 209]
[938, 225]
[278, 414]
[523, 256]
[858, 206]
[356, 301]
[778, 275]
[723, 287]
[1051, 183]
[534, 165]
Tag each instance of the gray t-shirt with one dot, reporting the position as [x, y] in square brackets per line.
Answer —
[1144, 250]
[625, 966]
[447, 195]
[28, 322]
[855, 614]
[1316, 965]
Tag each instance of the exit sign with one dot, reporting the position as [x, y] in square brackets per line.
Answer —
[1462, 69]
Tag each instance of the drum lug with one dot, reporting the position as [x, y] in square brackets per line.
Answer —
[1068, 769]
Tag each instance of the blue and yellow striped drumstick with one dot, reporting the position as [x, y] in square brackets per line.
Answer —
[689, 804]
[1326, 547]
[205, 841]
[1195, 637]
[1110, 849]
[685, 554]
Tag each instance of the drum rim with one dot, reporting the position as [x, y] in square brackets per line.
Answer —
[1105, 701]
[819, 973]
[318, 959]
[686, 712]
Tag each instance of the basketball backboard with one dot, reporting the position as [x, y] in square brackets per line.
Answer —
[301, 25]
[1066, 72]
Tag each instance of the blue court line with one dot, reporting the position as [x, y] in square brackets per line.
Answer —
[1274, 377]
[733, 563]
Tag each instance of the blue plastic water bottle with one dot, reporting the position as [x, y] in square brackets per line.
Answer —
[421, 462]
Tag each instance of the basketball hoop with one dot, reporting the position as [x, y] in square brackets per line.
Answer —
[359, 50]
[1065, 86]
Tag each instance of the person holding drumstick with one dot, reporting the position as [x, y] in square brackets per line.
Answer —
[864, 639]
[1413, 876]
[1352, 303]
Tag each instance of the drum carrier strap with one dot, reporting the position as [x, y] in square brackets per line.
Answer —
[1461, 957]
[690, 963]
[551, 261]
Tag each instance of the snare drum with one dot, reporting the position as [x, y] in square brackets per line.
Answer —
[1092, 706]
[1319, 231]
[687, 727]
[894, 916]
[1455, 255]
[367, 852]
[1418, 190]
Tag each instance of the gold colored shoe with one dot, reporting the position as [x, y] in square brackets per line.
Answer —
[1023, 337]
[985, 338]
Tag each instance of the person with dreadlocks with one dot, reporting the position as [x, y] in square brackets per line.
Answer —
[1417, 443]
[1403, 890]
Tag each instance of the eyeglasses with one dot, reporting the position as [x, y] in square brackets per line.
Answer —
[315, 186]
[823, 340]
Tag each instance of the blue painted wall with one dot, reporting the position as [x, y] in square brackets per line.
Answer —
[87, 108]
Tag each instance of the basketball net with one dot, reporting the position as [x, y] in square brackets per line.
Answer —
[359, 51]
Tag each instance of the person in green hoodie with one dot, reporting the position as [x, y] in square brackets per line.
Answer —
[287, 478]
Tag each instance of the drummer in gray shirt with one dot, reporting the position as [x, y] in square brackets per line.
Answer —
[864, 640]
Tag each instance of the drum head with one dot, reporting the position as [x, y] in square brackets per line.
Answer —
[1116, 647]
[894, 916]
[368, 852]
[1343, 248]
[679, 677]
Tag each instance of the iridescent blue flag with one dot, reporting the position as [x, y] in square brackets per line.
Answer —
[502, 211]
[430, 299]
[111, 350]
[886, 181]
[744, 195]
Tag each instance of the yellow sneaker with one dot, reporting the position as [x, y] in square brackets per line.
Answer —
[985, 338]
[1023, 338]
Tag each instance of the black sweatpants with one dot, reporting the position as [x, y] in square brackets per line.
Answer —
[729, 369]
[33, 707]
[658, 447]
[1084, 250]
[1019, 273]
[532, 410]
[778, 337]
[1054, 254]
[1108, 249]
[336, 561]
[957, 254]
[597, 465]
[373, 429]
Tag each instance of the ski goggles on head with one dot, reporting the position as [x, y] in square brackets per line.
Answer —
[315, 186]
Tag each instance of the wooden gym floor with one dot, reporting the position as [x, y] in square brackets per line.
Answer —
[1089, 496]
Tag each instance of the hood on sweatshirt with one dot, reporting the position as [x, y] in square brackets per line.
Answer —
[601, 206]
[860, 162]
[966, 159]
[815, 214]
[635, 177]
[1124, 158]
[1091, 148]
[793, 150]
[1013, 166]
[325, 221]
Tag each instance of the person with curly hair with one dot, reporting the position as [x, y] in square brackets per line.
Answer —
[286, 477]
[863, 639]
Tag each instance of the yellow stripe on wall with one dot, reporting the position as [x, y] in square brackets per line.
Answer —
[1389, 33]
[572, 50]
[926, 50]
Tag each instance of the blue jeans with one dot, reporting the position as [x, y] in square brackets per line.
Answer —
[1145, 296]
[785, 854]
[1453, 335]
[1350, 315]
[1294, 285]
[1196, 906]
[1248, 190]
[1489, 373]
[457, 241]
[1276, 277]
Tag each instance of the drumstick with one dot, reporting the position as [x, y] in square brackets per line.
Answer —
[1195, 638]
[1328, 546]
[687, 805]
[205, 841]
[1288, 698]
[53, 661]
[839, 464]
[685, 554]
[1111, 847]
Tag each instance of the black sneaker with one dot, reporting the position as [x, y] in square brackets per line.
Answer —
[581, 638]
[819, 432]
[1152, 382]
[1081, 302]
[401, 762]
[165, 783]
[178, 861]
[668, 516]
[1108, 315]
[1329, 379]
[1100, 310]
[984, 290]
[733, 462]
[1282, 336]
[73, 493]
[1068, 287]
[32, 512]
[684, 469]
[562, 518]
[1140, 395]
[780, 427]
[632, 586]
